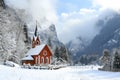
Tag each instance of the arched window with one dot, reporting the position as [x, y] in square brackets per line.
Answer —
[42, 60]
[47, 60]
[38, 42]
[36, 60]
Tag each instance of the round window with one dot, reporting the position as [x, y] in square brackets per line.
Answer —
[45, 53]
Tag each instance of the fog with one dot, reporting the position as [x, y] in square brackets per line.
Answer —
[69, 25]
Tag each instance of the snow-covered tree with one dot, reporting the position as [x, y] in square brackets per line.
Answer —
[57, 53]
[106, 60]
[12, 37]
[116, 61]
[106, 56]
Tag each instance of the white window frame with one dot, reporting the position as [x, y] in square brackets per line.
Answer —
[47, 60]
[42, 60]
[39, 59]
[36, 60]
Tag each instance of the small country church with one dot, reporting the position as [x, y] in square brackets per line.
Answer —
[39, 54]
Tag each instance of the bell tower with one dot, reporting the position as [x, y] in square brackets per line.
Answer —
[36, 39]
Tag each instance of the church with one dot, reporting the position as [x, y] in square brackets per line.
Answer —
[39, 54]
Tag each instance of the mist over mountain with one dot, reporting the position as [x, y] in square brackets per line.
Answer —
[108, 37]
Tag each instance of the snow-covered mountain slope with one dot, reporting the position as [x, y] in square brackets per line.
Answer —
[11, 35]
[76, 45]
[108, 38]
[67, 73]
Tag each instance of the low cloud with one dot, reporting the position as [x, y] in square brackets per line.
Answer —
[107, 4]
[42, 11]
[69, 24]
[81, 23]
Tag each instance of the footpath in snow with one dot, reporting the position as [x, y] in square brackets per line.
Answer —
[68, 73]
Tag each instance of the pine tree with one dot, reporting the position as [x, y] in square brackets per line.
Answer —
[26, 33]
[2, 3]
[106, 60]
[57, 53]
[116, 62]
[49, 42]
[106, 57]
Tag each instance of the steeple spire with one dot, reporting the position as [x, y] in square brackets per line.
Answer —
[35, 40]
[36, 30]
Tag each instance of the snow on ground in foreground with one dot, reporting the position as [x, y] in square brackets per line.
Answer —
[68, 73]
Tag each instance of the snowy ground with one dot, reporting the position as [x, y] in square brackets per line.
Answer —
[68, 73]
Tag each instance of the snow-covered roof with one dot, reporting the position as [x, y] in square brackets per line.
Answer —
[35, 37]
[28, 58]
[36, 50]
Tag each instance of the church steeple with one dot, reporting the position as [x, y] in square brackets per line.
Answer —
[35, 40]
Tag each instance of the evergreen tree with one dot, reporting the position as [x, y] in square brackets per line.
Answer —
[25, 29]
[116, 62]
[2, 3]
[57, 53]
[105, 59]
[49, 42]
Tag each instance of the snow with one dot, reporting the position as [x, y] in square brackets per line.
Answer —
[35, 37]
[36, 50]
[28, 58]
[11, 64]
[67, 73]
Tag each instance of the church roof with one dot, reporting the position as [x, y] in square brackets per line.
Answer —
[28, 58]
[36, 50]
[35, 37]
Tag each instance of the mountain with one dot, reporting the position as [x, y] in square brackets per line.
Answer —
[76, 45]
[108, 38]
[12, 35]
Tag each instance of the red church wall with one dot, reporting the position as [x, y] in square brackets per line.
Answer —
[31, 62]
[45, 56]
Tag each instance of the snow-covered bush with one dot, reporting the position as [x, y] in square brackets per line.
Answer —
[11, 64]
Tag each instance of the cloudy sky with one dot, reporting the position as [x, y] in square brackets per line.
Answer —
[72, 18]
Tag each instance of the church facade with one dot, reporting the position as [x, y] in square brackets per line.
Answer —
[39, 54]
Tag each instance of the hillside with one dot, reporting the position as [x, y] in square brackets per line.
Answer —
[12, 35]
